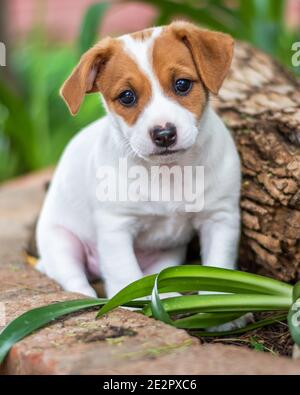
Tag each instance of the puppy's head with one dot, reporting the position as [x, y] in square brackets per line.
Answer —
[155, 84]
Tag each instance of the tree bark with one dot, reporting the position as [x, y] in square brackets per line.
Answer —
[260, 103]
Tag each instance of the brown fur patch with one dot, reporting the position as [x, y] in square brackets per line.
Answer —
[119, 74]
[108, 69]
[212, 52]
[172, 60]
[82, 78]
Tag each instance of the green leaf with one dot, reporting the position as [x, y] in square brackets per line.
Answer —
[214, 17]
[34, 319]
[199, 278]
[135, 290]
[90, 26]
[256, 345]
[223, 280]
[156, 305]
[224, 303]
[202, 320]
[296, 291]
[232, 306]
[163, 19]
[262, 22]
[18, 126]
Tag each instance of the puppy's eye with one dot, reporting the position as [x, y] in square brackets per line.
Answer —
[127, 98]
[182, 86]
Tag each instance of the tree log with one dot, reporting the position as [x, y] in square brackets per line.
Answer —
[260, 103]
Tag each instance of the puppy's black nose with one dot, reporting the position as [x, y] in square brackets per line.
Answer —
[164, 137]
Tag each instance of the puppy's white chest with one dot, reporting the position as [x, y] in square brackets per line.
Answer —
[162, 232]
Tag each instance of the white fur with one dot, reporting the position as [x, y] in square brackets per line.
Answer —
[160, 110]
[76, 230]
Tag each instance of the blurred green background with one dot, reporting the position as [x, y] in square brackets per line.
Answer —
[35, 125]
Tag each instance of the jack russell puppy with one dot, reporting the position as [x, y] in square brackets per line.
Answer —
[155, 86]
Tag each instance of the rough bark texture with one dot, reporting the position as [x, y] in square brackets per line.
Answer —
[260, 102]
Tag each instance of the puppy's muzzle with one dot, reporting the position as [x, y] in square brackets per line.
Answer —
[164, 137]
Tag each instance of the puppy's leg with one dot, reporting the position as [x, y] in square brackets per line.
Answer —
[119, 265]
[219, 246]
[62, 259]
[174, 257]
[219, 240]
[166, 259]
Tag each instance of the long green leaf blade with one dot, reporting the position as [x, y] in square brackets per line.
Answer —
[296, 291]
[199, 278]
[156, 305]
[197, 321]
[224, 303]
[37, 318]
[90, 25]
[137, 289]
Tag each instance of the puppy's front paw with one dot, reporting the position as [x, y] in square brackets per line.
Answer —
[239, 323]
[86, 290]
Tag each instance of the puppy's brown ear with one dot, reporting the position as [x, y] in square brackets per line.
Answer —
[83, 77]
[211, 51]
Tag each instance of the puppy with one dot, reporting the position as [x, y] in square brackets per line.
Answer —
[155, 86]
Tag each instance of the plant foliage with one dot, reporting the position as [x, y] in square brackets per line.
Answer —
[234, 293]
